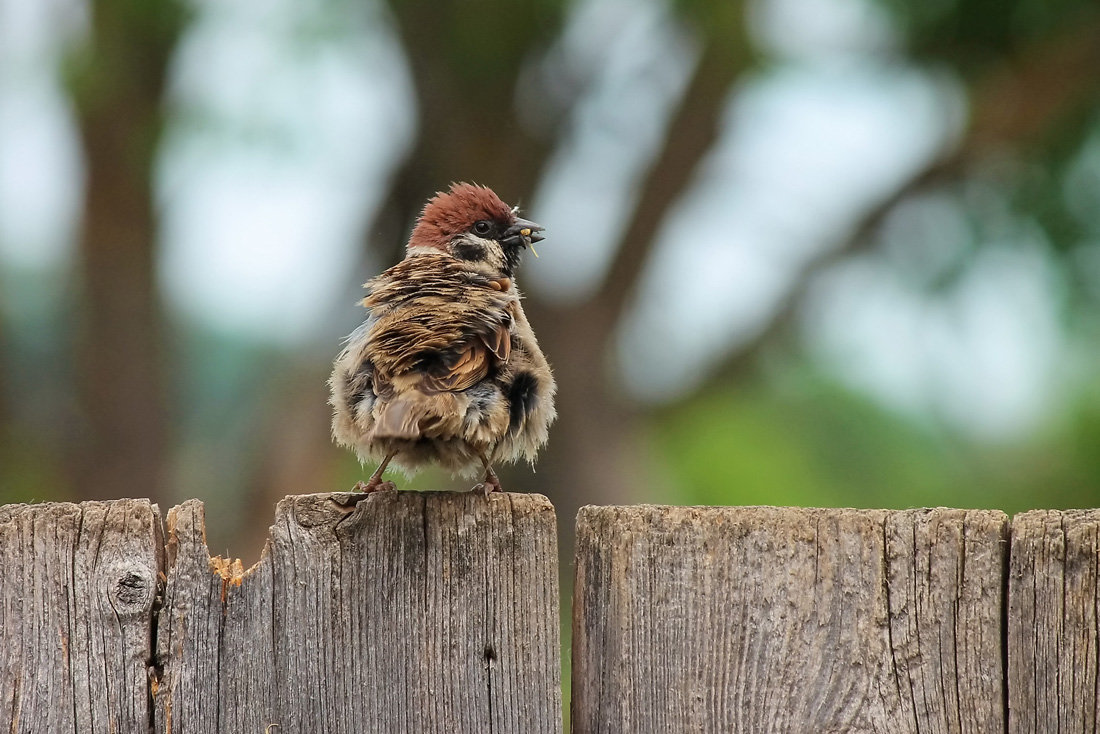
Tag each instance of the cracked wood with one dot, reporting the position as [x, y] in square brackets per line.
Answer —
[430, 612]
[418, 612]
[1053, 622]
[788, 620]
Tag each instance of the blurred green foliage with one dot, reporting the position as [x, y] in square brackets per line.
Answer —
[805, 440]
[971, 34]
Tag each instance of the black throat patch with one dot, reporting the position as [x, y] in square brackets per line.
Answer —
[511, 260]
[466, 250]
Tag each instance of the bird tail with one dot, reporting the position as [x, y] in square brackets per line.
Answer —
[400, 417]
[412, 415]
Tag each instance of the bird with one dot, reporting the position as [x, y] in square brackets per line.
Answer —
[446, 369]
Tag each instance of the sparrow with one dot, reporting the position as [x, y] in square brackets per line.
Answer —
[445, 369]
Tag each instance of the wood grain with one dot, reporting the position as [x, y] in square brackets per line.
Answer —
[77, 591]
[1053, 636]
[438, 613]
[788, 620]
[417, 612]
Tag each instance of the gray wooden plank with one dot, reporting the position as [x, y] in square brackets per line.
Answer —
[946, 573]
[76, 606]
[1053, 635]
[787, 620]
[418, 612]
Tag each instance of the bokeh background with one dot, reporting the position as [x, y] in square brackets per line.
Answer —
[813, 252]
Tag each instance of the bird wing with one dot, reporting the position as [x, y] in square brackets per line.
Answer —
[438, 325]
[473, 362]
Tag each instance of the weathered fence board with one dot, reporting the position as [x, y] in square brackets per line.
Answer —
[77, 587]
[437, 612]
[415, 612]
[1053, 633]
[788, 620]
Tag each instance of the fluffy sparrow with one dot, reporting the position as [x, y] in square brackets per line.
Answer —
[446, 368]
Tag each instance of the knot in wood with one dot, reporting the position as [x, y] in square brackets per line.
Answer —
[132, 588]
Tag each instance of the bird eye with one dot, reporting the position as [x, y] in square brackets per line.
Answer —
[482, 227]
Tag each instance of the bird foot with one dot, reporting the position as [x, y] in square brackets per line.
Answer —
[374, 485]
[488, 486]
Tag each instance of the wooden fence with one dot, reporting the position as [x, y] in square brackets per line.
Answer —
[438, 612]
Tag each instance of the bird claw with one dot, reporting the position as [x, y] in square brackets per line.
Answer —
[490, 485]
[374, 485]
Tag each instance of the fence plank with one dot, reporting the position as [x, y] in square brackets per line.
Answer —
[788, 620]
[77, 589]
[425, 612]
[1053, 638]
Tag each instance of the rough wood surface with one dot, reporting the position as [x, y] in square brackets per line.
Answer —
[409, 612]
[77, 588]
[438, 613]
[788, 620]
[1053, 635]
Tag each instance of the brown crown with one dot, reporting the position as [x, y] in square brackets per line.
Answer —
[450, 213]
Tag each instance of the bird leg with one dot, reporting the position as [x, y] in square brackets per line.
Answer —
[375, 483]
[490, 483]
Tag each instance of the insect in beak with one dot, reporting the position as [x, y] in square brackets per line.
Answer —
[525, 233]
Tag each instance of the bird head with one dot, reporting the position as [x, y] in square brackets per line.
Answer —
[471, 223]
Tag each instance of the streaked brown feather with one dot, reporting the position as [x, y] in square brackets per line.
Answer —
[471, 368]
[499, 343]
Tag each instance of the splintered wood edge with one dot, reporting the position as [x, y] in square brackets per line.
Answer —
[186, 522]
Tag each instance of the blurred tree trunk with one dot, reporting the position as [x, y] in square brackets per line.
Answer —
[118, 87]
[466, 111]
[592, 457]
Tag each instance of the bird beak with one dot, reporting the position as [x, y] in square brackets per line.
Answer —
[523, 232]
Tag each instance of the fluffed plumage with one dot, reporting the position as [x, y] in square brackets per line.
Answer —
[446, 368]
